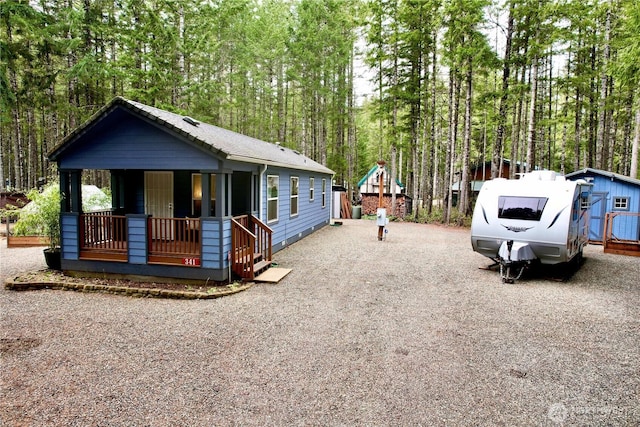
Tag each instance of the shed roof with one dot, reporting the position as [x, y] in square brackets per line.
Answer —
[372, 171]
[224, 143]
[606, 174]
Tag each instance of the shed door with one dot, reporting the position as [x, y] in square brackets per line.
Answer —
[597, 213]
[158, 201]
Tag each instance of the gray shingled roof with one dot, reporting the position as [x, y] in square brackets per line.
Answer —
[607, 174]
[225, 143]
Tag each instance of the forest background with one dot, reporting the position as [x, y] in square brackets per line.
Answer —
[431, 86]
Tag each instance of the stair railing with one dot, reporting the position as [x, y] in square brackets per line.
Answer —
[251, 239]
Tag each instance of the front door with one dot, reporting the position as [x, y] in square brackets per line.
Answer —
[597, 213]
[158, 201]
[241, 193]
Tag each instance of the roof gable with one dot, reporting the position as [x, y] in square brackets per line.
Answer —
[122, 139]
[374, 170]
[606, 174]
[220, 142]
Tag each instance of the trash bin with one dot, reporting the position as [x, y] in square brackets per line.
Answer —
[356, 212]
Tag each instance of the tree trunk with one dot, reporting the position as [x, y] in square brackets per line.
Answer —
[433, 117]
[626, 135]
[601, 139]
[463, 203]
[448, 180]
[633, 170]
[496, 160]
[454, 100]
[531, 133]
[515, 135]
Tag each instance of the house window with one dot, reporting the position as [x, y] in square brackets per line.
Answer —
[196, 194]
[294, 195]
[273, 187]
[324, 193]
[620, 203]
[311, 188]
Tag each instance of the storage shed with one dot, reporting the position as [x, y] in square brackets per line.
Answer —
[190, 200]
[369, 187]
[617, 196]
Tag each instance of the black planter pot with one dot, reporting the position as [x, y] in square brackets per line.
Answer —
[52, 258]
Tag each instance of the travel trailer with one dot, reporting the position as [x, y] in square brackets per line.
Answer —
[541, 217]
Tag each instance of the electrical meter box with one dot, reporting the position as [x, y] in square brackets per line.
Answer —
[381, 217]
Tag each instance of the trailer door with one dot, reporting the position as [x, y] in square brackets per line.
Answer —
[597, 213]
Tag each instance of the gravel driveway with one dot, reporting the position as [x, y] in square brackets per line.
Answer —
[407, 331]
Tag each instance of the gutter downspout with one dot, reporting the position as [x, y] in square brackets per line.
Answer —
[261, 191]
[331, 198]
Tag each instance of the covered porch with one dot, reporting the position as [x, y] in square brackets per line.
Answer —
[190, 224]
[171, 242]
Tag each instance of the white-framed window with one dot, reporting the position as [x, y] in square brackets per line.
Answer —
[621, 203]
[311, 188]
[295, 181]
[273, 188]
[324, 193]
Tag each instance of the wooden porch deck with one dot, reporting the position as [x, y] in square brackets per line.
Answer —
[173, 241]
[614, 245]
[176, 241]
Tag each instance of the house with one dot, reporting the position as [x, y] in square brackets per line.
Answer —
[616, 197]
[369, 187]
[189, 200]
[480, 173]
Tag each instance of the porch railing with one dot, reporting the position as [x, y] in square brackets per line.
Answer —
[103, 236]
[174, 241]
[615, 244]
[251, 242]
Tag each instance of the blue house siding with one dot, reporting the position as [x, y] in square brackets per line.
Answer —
[123, 141]
[69, 235]
[607, 187]
[137, 235]
[216, 242]
[311, 215]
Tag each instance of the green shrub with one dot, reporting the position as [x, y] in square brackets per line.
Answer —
[41, 217]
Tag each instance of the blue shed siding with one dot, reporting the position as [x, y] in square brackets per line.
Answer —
[624, 227]
[311, 214]
[137, 235]
[125, 143]
[69, 235]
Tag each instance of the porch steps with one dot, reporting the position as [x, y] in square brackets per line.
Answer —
[259, 264]
[251, 246]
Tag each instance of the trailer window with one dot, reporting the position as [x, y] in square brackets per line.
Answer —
[527, 208]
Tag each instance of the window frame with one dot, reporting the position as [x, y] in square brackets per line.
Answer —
[312, 183]
[294, 199]
[621, 203]
[523, 208]
[275, 198]
[324, 193]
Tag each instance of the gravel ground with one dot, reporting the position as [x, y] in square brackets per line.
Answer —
[407, 331]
